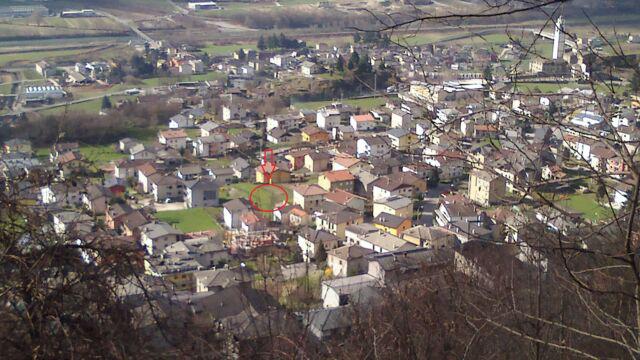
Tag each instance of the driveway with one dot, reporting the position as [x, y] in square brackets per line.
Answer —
[429, 204]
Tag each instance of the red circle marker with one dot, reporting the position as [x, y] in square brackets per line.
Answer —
[280, 188]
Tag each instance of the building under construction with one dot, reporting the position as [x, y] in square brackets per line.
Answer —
[242, 242]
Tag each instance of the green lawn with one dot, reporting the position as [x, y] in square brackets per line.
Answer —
[190, 220]
[100, 154]
[365, 104]
[586, 204]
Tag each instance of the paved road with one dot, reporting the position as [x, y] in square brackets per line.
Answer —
[130, 24]
[429, 204]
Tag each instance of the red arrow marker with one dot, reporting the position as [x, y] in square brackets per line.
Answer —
[268, 165]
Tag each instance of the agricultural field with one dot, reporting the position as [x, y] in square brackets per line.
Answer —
[100, 154]
[220, 50]
[191, 220]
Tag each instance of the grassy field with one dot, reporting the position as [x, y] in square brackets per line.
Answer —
[586, 204]
[191, 220]
[219, 50]
[365, 104]
[35, 56]
[5, 89]
[100, 154]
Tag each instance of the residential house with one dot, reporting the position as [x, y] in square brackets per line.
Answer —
[181, 121]
[249, 222]
[166, 188]
[114, 214]
[96, 199]
[336, 222]
[364, 122]
[292, 216]
[348, 260]
[140, 152]
[284, 121]
[176, 139]
[307, 68]
[401, 119]
[346, 162]
[433, 237]
[233, 210]
[328, 118]
[394, 205]
[62, 194]
[345, 290]
[314, 135]
[208, 128]
[344, 198]
[343, 133]
[377, 146]
[392, 224]
[189, 172]
[400, 139]
[145, 171]
[279, 173]
[401, 183]
[338, 179]
[486, 188]
[317, 161]
[382, 242]
[224, 175]
[455, 208]
[132, 222]
[308, 197]
[211, 146]
[156, 236]
[202, 192]
[310, 240]
[296, 158]
[241, 168]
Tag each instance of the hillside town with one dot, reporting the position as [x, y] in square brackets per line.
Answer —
[439, 159]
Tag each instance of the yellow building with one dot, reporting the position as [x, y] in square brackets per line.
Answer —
[392, 224]
[486, 188]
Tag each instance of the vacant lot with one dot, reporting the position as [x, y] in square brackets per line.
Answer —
[191, 220]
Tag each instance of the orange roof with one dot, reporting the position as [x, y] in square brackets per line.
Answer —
[363, 117]
[486, 127]
[339, 175]
[346, 161]
[340, 196]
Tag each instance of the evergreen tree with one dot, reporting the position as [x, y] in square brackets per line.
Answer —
[106, 103]
[357, 38]
[488, 73]
[635, 82]
[321, 256]
[364, 65]
[386, 40]
[261, 43]
[282, 42]
[340, 64]
[241, 54]
[273, 42]
[354, 60]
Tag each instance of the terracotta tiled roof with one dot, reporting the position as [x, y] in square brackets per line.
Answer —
[309, 190]
[173, 134]
[364, 117]
[339, 175]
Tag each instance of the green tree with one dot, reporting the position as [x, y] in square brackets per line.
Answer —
[488, 73]
[241, 54]
[340, 63]
[364, 65]
[635, 82]
[354, 60]
[357, 38]
[106, 103]
[262, 45]
[321, 256]
[273, 42]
